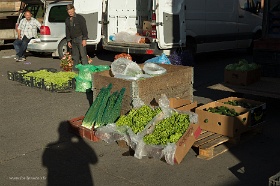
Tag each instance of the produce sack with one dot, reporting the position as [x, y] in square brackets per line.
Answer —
[162, 59]
[82, 85]
[123, 66]
[85, 71]
[182, 57]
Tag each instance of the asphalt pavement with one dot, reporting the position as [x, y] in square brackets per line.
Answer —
[37, 149]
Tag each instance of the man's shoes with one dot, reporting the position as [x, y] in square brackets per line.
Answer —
[23, 58]
[16, 57]
[19, 59]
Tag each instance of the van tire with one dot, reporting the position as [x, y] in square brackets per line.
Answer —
[62, 48]
[191, 45]
[256, 36]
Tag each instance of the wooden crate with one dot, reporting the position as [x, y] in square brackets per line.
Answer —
[176, 82]
[209, 144]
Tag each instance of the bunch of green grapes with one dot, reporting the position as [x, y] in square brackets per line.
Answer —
[168, 130]
[137, 119]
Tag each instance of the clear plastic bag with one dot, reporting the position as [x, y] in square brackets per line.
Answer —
[153, 69]
[111, 133]
[162, 59]
[159, 151]
[128, 37]
[122, 66]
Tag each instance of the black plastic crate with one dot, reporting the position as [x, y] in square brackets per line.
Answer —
[18, 75]
[38, 83]
[11, 75]
[275, 180]
[63, 88]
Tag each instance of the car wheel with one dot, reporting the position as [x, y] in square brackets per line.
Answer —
[62, 48]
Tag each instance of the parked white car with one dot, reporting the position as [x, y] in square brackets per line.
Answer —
[52, 15]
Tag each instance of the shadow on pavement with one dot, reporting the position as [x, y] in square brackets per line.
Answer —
[68, 159]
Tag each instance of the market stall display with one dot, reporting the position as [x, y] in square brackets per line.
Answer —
[156, 132]
[242, 73]
[46, 79]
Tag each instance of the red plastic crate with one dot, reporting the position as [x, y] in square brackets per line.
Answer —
[77, 128]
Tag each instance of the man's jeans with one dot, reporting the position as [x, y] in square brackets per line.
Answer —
[20, 46]
[78, 52]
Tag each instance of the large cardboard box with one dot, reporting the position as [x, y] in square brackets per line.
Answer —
[257, 111]
[242, 78]
[147, 28]
[222, 124]
[182, 104]
[186, 141]
[176, 82]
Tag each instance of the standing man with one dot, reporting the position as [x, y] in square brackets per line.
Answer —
[76, 35]
[27, 30]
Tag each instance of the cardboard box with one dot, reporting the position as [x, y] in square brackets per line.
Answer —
[222, 124]
[186, 141]
[176, 82]
[147, 25]
[182, 104]
[257, 112]
[242, 78]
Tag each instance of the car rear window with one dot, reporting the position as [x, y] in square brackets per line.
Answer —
[58, 14]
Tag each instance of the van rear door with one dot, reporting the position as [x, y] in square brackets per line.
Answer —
[92, 12]
[171, 24]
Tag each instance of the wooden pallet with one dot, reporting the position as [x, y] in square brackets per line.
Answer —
[209, 144]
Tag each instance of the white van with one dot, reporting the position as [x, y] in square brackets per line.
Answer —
[200, 25]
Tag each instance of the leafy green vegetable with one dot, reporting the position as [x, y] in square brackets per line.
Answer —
[240, 103]
[223, 111]
[137, 119]
[169, 130]
[242, 65]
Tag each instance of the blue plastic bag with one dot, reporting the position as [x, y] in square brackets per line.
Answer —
[162, 59]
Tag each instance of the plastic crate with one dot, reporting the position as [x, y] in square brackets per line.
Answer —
[77, 128]
[275, 180]
[11, 75]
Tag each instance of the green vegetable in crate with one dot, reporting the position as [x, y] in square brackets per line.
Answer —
[223, 111]
[168, 130]
[137, 119]
[115, 114]
[109, 108]
[242, 65]
[240, 103]
[88, 120]
[92, 113]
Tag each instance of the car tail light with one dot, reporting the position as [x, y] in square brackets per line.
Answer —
[154, 27]
[45, 30]
[149, 51]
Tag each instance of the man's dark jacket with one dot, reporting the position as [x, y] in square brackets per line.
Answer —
[79, 28]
